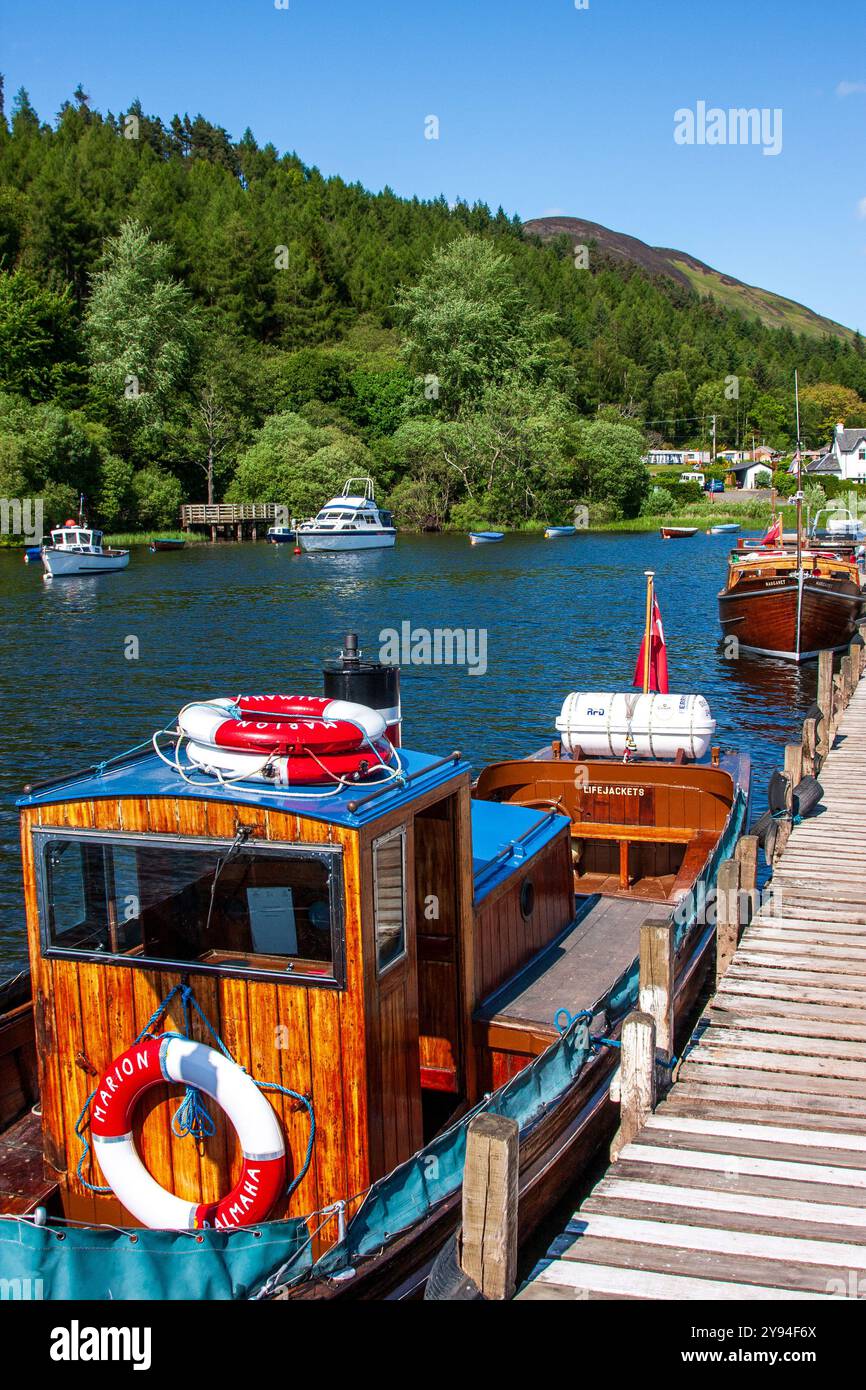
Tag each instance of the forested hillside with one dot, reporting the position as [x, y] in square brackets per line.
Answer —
[184, 314]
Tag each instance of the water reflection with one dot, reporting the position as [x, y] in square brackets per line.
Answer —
[559, 615]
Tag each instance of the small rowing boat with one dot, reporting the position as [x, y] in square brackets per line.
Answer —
[723, 530]
[553, 533]
[485, 537]
[678, 533]
[164, 543]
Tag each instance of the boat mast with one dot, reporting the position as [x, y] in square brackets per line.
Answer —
[799, 476]
[647, 636]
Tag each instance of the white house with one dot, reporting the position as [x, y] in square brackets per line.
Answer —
[846, 456]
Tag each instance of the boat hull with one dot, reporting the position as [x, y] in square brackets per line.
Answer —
[60, 563]
[763, 616]
[313, 541]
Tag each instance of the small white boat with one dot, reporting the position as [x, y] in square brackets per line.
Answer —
[552, 533]
[352, 521]
[78, 549]
[485, 537]
[280, 535]
[723, 530]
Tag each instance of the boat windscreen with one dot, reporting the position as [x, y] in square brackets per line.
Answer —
[221, 907]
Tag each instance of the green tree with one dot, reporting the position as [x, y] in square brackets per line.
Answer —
[467, 324]
[40, 353]
[611, 467]
[140, 325]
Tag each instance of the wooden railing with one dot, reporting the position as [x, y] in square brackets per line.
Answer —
[224, 514]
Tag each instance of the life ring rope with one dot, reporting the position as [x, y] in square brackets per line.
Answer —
[275, 772]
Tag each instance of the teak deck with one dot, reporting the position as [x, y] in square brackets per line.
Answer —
[749, 1181]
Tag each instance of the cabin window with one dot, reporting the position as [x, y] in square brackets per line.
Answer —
[272, 910]
[389, 897]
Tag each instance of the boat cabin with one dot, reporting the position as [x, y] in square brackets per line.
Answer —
[77, 538]
[354, 510]
[341, 946]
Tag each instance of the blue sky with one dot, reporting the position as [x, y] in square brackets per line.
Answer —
[542, 107]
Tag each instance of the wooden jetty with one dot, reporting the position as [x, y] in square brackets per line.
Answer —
[242, 521]
[748, 1181]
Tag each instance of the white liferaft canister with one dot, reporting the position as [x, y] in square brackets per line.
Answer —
[599, 723]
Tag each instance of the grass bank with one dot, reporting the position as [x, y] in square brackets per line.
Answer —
[750, 518]
[124, 539]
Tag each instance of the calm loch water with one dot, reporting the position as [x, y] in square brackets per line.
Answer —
[217, 620]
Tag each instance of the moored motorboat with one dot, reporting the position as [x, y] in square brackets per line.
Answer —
[677, 533]
[352, 521]
[792, 601]
[485, 537]
[415, 947]
[776, 603]
[280, 535]
[32, 553]
[78, 549]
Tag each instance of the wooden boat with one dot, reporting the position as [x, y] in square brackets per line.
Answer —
[778, 604]
[485, 537]
[165, 543]
[78, 549]
[724, 529]
[677, 533]
[399, 952]
[792, 601]
[554, 532]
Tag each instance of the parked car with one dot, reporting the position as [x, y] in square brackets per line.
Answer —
[714, 485]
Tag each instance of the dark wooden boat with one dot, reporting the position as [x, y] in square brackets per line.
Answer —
[778, 604]
[677, 533]
[437, 935]
[165, 543]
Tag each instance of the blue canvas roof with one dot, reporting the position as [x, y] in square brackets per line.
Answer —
[148, 776]
[503, 836]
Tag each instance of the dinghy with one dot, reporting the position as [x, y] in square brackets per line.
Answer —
[554, 532]
[485, 537]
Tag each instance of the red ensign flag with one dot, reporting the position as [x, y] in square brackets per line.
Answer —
[658, 667]
[774, 534]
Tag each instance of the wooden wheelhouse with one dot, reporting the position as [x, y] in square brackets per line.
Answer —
[338, 946]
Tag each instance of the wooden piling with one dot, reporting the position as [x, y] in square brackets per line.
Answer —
[488, 1253]
[811, 758]
[638, 1079]
[825, 702]
[727, 915]
[794, 762]
[746, 855]
[784, 827]
[657, 984]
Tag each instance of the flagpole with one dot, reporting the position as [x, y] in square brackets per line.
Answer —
[647, 641]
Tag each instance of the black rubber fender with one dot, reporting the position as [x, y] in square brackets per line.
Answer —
[446, 1282]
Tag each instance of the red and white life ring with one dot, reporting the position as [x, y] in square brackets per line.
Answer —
[189, 1063]
[287, 739]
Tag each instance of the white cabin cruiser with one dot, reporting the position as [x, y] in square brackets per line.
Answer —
[351, 521]
[78, 549]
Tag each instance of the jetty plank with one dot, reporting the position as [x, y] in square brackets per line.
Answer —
[749, 1179]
